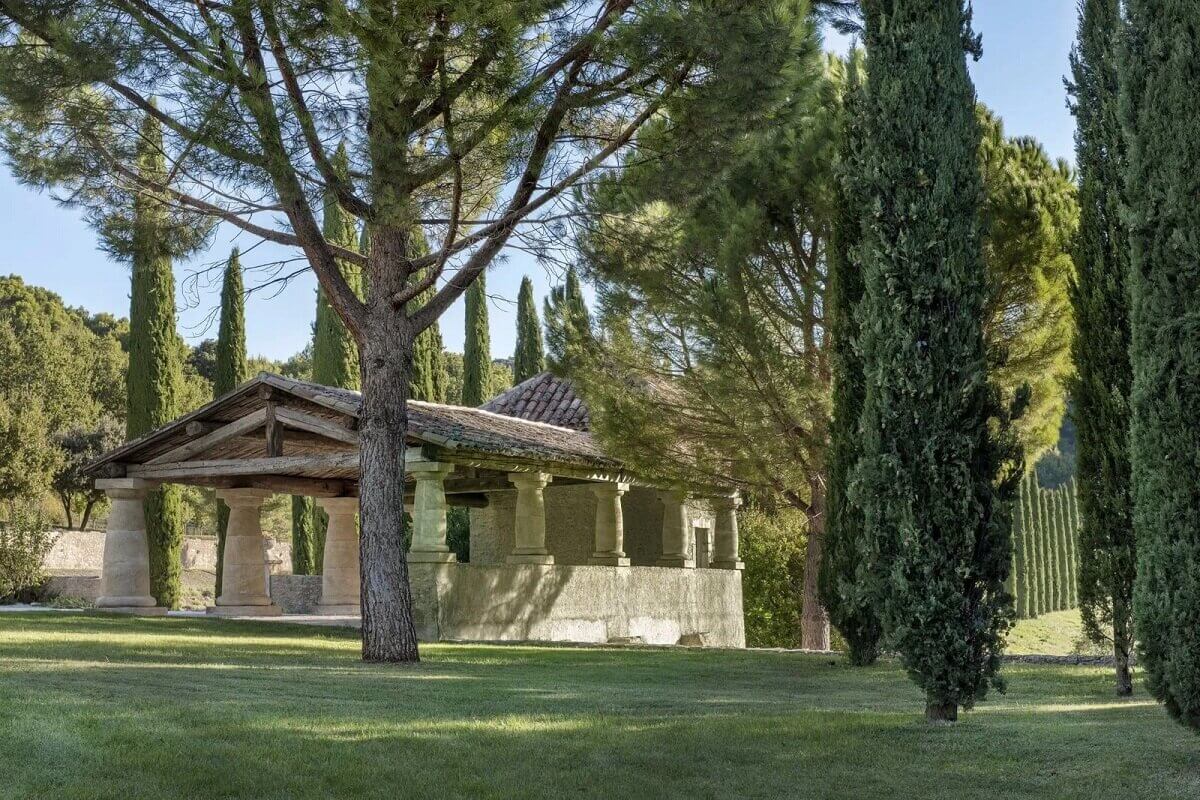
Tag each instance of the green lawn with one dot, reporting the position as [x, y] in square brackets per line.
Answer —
[107, 707]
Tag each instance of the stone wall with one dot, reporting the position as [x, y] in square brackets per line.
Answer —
[579, 604]
[586, 604]
[83, 551]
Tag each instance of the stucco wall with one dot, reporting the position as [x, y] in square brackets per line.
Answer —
[79, 551]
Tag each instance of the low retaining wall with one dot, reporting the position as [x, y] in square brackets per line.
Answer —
[585, 604]
[77, 551]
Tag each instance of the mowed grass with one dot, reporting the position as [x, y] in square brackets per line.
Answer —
[108, 707]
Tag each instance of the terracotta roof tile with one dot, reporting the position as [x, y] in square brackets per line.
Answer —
[543, 398]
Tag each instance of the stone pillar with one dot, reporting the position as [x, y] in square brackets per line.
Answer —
[725, 555]
[530, 529]
[245, 581]
[125, 576]
[429, 512]
[676, 549]
[610, 525]
[340, 573]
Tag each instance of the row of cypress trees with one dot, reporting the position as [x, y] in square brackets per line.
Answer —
[1045, 570]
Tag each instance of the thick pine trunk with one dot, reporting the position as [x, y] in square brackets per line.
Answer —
[814, 621]
[388, 633]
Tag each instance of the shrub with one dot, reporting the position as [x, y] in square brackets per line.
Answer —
[773, 547]
[25, 541]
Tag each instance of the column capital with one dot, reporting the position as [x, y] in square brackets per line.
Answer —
[530, 480]
[423, 469]
[124, 488]
[602, 490]
[244, 497]
[726, 502]
[338, 505]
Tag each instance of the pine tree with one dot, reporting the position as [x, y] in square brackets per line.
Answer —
[1160, 116]
[842, 580]
[155, 368]
[477, 350]
[528, 358]
[231, 370]
[1103, 373]
[335, 363]
[568, 321]
[940, 462]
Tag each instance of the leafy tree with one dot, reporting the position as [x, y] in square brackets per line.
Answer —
[529, 358]
[80, 447]
[155, 358]
[772, 544]
[843, 582]
[568, 322]
[1103, 374]
[1160, 117]
[939, 463]
[230, 370]
[477, 356]
[481, 117]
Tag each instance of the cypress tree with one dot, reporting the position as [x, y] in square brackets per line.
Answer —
[1030, 548]
[940, 463]
[1052, 581]
[335, 363]
[477, 350]
[843, 583]
[429, 377]
[1159, 71]
[568, 321]
[1036, 569]
[528, 358]
[1103, 374]
[1064, 553]
[231, 369]
[155, 367]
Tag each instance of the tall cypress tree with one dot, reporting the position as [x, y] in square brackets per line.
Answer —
[429, 376]
[529, 358]
[155, 367]
[477, 350]
[1159, 70]
[940, 463]
[231, 369]
[843, 584]
[335, 363]
[568, 321]
[1103, 373]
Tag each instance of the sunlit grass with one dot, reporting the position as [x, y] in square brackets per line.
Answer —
[109, 707]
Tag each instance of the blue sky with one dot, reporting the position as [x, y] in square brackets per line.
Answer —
[1026, 44]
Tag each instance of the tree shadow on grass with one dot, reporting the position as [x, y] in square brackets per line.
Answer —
[97, 707]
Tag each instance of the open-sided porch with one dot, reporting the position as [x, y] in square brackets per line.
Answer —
[576, 582]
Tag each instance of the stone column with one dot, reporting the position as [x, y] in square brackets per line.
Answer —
[676, 549]
[245, 581]
[340, 573]
[725, 555]
[530, 529]
[125, 576]
[429, 512]
[610, 525]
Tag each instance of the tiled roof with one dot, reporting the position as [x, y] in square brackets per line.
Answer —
[543, 398]
[470, 431]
